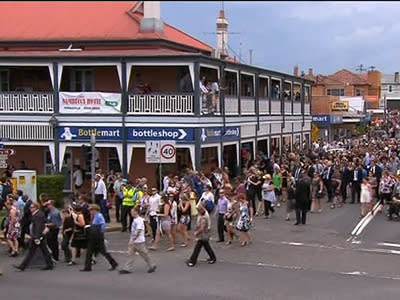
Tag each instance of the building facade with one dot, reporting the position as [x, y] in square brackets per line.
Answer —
[342, 101]
[122, 74]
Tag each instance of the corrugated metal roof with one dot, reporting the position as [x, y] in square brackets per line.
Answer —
[81, 20]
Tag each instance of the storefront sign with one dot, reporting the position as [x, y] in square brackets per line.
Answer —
[90, 103]
[214, 134]
[340, 106]
[160, 133]
[327, 119]
[78, 133]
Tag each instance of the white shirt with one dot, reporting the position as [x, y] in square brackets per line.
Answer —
[203, 88]
[137, 224]
[154, 202]
[100, 188]
[166, 180]
[214, 87]
[78, 178]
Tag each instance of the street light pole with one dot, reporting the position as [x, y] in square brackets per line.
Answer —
[93, 161]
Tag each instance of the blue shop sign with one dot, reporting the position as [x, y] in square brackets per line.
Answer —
[160, 133]
[214, 134]
[321, 119]
[83, 133]
[327, 119]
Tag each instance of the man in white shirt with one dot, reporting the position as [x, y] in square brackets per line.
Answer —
[77, 177]
[137, 244]
[100, 196]
[154, 202]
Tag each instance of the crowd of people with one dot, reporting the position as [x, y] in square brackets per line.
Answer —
[365, 170]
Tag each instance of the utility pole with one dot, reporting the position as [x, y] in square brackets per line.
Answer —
[93, 162]
[250, 56]
[361, 68]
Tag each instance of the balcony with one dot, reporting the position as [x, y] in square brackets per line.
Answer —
[297, 108]
[231, 106]
[26, 102]
[247, 106]
[288, 107]
[275, 107]
[264, 106]
[306, 108]
[160, 104]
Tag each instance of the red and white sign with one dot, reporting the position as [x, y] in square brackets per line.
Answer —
[90, 103]
[168, 152]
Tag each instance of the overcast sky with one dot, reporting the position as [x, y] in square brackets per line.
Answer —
[325, 36]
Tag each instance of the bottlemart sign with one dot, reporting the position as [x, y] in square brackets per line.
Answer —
[90, 103]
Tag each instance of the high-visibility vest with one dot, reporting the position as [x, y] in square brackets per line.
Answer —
[127, 195]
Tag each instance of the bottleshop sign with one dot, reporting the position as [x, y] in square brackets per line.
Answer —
[327, 119]
[160, 133]
[215, 134]
[90, 103]
[78, 133]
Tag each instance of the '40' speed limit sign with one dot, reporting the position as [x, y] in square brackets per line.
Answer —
[168, 152]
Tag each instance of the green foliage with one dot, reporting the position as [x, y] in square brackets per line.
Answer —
[53, 186]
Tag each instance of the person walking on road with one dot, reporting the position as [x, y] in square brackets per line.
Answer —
[100, 195]
[268, 195]
[54, 222]
[38, 239]
[366, 197]
[303, 198]
[202, 233]
[96, 240]
[137, 243]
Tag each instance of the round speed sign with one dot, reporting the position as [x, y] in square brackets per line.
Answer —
[168, 151]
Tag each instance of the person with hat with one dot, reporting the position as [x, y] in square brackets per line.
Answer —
[96, 240]
[100, 195]
[268, 195]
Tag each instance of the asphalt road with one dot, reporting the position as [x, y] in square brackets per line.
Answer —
[315, 261]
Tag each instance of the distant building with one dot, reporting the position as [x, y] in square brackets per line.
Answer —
[346, 98]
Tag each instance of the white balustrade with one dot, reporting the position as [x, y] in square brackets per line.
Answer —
[296, 108]
[288, 107]
[306, 108]
[231, 105]
[264, 106]
[160, 104]
[26, 102]
[247, 106]
[275, 107]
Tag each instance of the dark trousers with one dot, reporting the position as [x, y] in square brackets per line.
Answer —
[65, 246]
[99, 200]
[355, 192]
[31, 253]
[328, 186]
[197, 248]
[97, 246]
[268, 207]
[220, 227]
[385, 198]
[124, 216]
[24, 231]
[301, 215]
[153, 225]
[118, 204]
[343, 190]
[52, 240]
[251, 197]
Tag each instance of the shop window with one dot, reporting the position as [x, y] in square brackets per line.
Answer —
[113, 161]
[82, 80]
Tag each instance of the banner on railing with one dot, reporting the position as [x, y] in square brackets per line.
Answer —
[90, 103]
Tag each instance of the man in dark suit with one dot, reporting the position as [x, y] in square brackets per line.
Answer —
[355, 183]
[38, 233]
[345, 177]
[376, 171]
[302, 197]
[327, 179]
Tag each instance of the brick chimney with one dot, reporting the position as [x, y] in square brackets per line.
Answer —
[310, 72]
[296, 71]
[396, 77]
[151, 21]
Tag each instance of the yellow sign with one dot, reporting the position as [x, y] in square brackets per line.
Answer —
[340, 106]
[314, 132]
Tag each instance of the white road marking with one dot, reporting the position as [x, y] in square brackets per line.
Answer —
[389, 245]
[365, 221]
[357, 273]
[386, 251]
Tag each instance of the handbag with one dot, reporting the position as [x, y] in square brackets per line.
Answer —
[108, 204]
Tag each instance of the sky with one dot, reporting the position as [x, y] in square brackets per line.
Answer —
[323, 35]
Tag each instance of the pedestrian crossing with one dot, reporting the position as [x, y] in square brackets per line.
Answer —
[384, 247]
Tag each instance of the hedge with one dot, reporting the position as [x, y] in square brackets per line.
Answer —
[53, 186]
